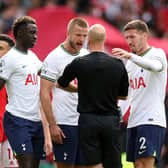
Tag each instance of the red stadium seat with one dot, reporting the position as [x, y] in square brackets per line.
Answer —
[162, 22]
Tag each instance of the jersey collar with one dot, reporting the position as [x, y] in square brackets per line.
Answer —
[75, 54]
[145, 51]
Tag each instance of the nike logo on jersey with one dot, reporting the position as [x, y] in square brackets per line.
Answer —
[141, 152]
[150, 119]
[24, 66]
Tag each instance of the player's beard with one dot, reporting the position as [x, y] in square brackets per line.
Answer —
[134, 49]
[72, 44]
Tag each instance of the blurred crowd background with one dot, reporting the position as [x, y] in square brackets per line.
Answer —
[116, 12]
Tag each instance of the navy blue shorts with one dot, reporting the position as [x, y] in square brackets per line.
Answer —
[24, 136]
[144, 141]
[69, 151]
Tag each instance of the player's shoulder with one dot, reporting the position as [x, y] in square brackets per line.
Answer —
[11, 52]
[32, 54]
[158, 51]
[55, 57]
[54, 54]
[9, 60]
[10, 56]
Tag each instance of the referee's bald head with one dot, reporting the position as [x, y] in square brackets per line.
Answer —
[97, 33]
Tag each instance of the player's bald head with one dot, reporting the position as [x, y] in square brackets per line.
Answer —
[97, 33]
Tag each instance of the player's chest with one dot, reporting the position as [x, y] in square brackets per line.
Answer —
[138, 77]
[64, 62]
[26, 66]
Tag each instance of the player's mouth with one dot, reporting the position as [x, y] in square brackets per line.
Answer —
[33, 41]
[132, 46]
[79, 44]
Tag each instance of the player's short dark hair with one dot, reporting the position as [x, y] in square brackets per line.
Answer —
[138, 25]
[77, 21]
[8, 39]
[22, 21]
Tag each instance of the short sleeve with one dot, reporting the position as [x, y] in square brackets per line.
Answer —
[50, 69]
[7, 66]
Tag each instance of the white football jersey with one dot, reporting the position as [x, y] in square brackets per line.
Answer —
[20, 71]
[147, 91]
[64, 103]
[7, 157]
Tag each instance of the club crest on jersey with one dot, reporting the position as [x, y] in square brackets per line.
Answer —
[137, 83]
[31, 79]
[2, 63]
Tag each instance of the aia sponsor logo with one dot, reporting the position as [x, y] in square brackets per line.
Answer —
[31, 79]
[137, 83]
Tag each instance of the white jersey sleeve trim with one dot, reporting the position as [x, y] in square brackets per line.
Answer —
[148, 64]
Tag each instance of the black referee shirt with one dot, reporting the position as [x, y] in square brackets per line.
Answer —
[101, 79]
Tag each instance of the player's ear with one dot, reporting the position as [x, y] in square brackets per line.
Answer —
[19, 33]
[68, 32]
[145, 35]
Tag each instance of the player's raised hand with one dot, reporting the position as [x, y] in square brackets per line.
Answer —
[120, 53]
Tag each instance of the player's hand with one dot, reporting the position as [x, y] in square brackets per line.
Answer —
[57, 134]
[164, 150]
[57, 85]
[120, 53]
[48, 146]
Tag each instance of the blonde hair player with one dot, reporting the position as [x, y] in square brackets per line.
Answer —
[61, 113]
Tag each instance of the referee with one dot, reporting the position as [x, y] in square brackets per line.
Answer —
[102, 80]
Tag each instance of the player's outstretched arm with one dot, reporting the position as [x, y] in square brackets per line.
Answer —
[149, 64]
[46, 86]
